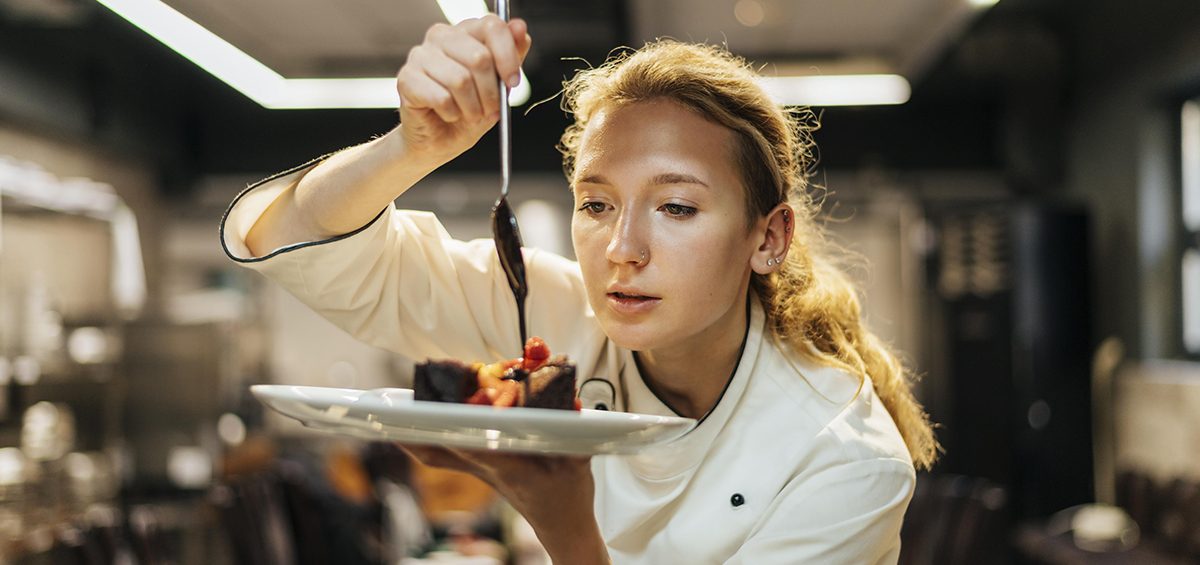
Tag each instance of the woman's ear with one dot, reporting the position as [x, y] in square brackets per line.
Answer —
[776, 239]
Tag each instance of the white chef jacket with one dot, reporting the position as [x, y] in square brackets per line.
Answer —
[797, 463]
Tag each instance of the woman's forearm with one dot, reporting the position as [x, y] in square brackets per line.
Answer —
[573, 541]
[340, 194]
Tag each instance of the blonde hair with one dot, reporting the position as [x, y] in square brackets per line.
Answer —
[811, 304]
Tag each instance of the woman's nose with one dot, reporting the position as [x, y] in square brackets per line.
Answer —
[626, 243]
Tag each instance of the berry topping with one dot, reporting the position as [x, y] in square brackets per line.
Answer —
[536, 353]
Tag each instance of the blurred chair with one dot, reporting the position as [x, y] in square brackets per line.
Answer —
[254, 515]
[304, 513]
[276, 516]
[75, 547]
[1178, 520]
[954, 520]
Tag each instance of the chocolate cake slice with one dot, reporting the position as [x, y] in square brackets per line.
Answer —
[551, 381]
[445, 381]
[552, 385]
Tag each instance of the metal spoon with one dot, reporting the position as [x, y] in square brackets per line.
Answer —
[504, 223]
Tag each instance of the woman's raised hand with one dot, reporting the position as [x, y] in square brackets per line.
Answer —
[448, 88]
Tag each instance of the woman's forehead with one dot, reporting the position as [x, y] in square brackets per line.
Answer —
[657, 137]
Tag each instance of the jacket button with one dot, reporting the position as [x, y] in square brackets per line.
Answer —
[737, 500]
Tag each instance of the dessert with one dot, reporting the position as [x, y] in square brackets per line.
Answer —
[551, 381]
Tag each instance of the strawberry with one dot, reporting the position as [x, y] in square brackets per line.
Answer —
[536, 353]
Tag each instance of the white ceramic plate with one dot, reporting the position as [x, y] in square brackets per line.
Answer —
[392, 415]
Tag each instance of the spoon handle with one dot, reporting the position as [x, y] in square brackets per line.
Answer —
[505, 116]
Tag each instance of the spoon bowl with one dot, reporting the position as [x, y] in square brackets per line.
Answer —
[508, 246]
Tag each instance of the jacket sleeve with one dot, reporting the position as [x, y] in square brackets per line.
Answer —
[403, 284]
[849, 513]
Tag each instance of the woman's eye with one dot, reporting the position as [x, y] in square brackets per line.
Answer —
[678, 210]
[592, 207]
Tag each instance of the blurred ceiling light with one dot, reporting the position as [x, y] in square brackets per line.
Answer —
[1191, 300]
[189, 467]
[837, 90]
[231, 429]
[252, 78]
[459, 10]
[544, 226]
[749, 13]
[13, 466]
[983, 3]
[87, 345]
[1190, 149]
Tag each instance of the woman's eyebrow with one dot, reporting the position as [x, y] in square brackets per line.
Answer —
[592, 179]
[677, 178]
[658, 180]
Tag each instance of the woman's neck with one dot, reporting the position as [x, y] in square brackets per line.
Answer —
[691, 376]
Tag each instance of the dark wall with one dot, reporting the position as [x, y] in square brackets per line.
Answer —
[1137, 63]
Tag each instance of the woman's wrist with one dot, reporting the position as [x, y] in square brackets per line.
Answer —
[573, 539]
[566, 523]
[409, 157]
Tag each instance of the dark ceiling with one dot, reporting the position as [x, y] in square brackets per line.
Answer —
[94, 78]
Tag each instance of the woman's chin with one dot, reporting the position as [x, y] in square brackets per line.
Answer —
[635, 337]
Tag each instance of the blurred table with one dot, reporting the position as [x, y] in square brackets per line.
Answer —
[1039, 546]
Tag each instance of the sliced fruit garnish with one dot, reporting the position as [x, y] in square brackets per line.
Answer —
[507, 395]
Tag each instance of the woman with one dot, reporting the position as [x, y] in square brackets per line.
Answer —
[701, 290]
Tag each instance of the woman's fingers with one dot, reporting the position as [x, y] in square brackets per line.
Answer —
[520, 33]
[506, 60]
[461, 82]
[419, 91]
[441, 457]
[475, 60]
[454, 71]
[503, 464]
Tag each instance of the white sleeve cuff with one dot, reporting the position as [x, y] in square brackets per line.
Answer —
[249, 205]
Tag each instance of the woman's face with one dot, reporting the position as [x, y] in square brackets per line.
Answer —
[660, 226]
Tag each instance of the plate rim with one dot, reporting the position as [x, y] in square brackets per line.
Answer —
[625, 439]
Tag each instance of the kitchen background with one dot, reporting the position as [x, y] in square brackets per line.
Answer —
[1029, 216]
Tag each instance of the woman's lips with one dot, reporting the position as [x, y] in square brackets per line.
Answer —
[631, 303]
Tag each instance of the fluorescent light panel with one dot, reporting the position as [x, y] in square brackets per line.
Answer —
[1190, 149]
[270, 89]
[1191, 300]
[255, 80]
[459, 10]
[837, 90]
